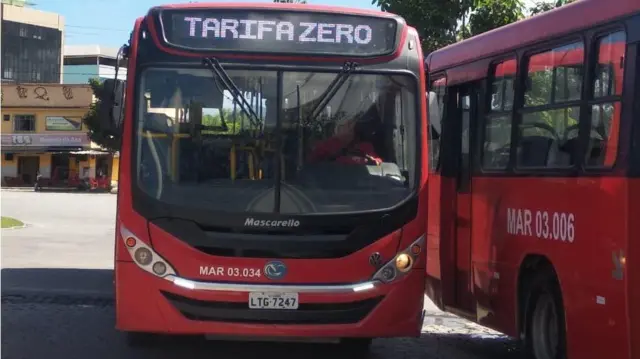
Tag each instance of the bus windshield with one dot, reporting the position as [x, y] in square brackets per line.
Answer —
[287, 142]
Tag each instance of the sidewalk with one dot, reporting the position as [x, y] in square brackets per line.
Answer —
[54, 189]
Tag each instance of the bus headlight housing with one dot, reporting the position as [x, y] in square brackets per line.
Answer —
[402, 263]
[144, 256]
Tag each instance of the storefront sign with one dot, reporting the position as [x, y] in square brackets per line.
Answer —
[46, 95]
[25, 141]
[58, 123]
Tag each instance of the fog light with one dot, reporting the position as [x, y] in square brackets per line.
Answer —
[388, 274]
[403, 262]
[159, 268]
[131, 242]
[143, 256]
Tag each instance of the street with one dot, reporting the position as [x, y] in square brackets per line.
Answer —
[57, 296]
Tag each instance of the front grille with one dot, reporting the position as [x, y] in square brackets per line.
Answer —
[239, 312]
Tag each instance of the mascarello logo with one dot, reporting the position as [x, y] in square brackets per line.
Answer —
[287, 223]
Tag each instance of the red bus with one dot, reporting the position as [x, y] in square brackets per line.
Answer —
[533, 185]
[271, 174]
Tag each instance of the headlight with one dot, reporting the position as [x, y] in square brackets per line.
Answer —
[144, 256]
[402, 263]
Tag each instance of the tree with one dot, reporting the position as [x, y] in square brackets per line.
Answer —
[443, 22]
[92, 120]
[491, 14]
[543, 6]
[291, 1]
[437, 21]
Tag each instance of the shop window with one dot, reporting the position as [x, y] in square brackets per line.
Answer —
[24, 123]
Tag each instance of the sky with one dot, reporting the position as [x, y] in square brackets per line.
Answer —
[109, 22]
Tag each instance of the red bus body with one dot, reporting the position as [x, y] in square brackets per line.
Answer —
[492, 229]
[207, 292]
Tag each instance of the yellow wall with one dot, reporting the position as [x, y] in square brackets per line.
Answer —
[41, 114]
[115, 168]
[10, 168]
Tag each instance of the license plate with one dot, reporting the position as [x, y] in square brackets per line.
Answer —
[260, 300]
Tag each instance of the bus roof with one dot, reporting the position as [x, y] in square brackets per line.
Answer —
[278, 6]
[536, 28]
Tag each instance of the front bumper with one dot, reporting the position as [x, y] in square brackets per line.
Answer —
[371, 309]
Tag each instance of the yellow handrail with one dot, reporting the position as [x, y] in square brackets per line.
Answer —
[233, 157]
[232, 162]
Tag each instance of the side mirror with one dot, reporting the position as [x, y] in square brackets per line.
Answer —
[112, 105]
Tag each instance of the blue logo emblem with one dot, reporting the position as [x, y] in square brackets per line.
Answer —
[275, 270]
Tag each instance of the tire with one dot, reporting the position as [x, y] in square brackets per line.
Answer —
[544, 318]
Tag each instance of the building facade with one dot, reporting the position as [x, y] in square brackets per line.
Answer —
[43, 133]
[82, 62]
[32, 43]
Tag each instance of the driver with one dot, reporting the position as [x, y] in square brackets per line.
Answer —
[351, 142]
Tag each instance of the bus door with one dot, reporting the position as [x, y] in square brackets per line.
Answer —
[458, 130]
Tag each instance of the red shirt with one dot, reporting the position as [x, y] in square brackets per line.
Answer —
[362, 152]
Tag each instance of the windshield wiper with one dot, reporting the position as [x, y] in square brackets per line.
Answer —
[222, 74]
[333, 88]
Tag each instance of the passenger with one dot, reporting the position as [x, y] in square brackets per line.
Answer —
[352, 143]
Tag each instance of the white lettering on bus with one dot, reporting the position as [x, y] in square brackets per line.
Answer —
[304, 37]
[231, 26]
[284, 30]
[252, 222]
[230, 272]
[247, 29]
[559, 226]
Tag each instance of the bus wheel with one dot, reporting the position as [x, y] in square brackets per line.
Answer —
[357, 347]
[544, 331]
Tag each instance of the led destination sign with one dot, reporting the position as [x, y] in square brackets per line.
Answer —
[279, 32]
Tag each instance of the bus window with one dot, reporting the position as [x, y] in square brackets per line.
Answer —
[497, 131]
[436, 107]
[605, 112]
[548, 137]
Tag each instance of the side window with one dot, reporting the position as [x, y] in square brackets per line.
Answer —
[605, 109]
[435, 98]
[497, 129]
[548, 136]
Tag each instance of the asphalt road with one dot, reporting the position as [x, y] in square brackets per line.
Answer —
[57, 296]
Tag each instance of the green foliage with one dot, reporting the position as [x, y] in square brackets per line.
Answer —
[542, 6]
[539, 94]
[443, 22]
[435, 20]
[91, 119]
[235, 123]
[491, 14]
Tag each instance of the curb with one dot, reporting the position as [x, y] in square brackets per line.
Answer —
[9, 189]
[52, 191]
[24, 225]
